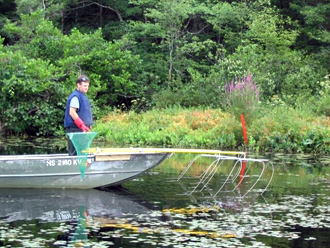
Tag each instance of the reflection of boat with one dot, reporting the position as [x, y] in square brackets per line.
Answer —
[104, 167]
[53, 205]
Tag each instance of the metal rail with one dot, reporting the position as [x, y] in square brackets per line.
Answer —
[239, 171]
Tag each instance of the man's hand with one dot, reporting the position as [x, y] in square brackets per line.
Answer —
[81, 125]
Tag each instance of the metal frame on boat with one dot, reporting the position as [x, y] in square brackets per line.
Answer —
[239, 173]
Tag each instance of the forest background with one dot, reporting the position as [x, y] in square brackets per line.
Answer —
[171, 73]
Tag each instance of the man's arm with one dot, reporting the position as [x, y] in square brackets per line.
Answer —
[77, 120]
[73, 113]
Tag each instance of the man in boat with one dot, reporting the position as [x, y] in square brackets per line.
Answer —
[78, 113]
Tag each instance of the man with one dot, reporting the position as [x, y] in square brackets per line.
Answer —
[78, 114]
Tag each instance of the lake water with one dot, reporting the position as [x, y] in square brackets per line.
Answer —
[158, 210]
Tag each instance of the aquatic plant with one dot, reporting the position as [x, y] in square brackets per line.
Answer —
[242, 97]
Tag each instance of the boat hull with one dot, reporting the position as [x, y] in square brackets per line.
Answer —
[62, 171]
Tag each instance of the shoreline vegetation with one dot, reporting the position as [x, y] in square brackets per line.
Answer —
[280, 129]
[171, 73]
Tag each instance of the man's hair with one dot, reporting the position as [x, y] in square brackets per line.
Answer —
[82, 78]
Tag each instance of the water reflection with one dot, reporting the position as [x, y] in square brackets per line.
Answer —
[52, 205]
[71, 214]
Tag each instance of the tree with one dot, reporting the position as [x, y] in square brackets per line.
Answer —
[168, 23]
[314, 19]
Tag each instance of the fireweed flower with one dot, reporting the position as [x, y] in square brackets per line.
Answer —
[242, 97]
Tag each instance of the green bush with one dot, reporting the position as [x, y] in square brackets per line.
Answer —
[32, 99]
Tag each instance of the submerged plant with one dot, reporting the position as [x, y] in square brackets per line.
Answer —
[242, 97]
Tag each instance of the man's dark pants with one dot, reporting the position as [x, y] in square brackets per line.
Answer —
[71, 149]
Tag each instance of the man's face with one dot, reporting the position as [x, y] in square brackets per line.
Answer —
[83, 87]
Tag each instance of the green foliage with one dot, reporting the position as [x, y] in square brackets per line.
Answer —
[192, 95]
[168, 26]
[291, 130]
[32, 100]
[315, 33]
[271, 30]
[228, 21]
[318, 104]
[316, 139]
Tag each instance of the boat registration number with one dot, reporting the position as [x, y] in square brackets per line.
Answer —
[66, 162]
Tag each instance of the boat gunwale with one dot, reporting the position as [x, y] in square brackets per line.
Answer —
[39, 157]
[150, 150]
[66, 156]
[92, 152]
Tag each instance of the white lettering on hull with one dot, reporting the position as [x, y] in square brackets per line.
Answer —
[66, 162]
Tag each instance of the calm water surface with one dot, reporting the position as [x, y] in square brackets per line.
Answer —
[158, 210]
